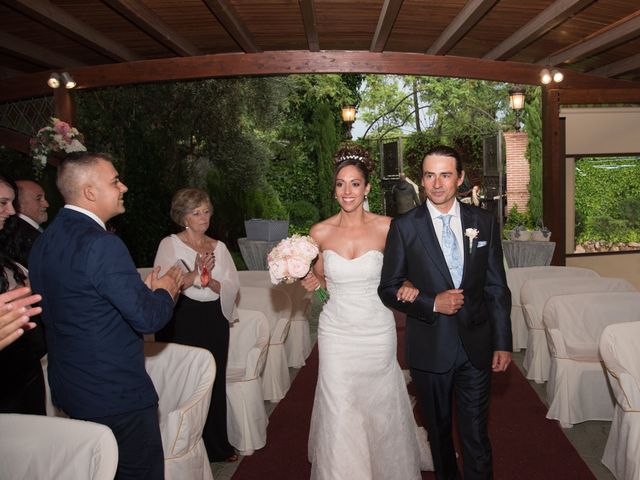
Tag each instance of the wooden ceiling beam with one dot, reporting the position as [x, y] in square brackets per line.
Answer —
[35, 54]
[297, 62]
[57, 19]
[228, 18]
[307, 9]
[610, 36]
[547, 20]
[141, 16]
[618, 68]
[471, 14]
[387, 19]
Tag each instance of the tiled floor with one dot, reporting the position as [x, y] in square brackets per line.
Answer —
[588, 438]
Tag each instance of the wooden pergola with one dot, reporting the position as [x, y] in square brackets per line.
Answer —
[103, 43]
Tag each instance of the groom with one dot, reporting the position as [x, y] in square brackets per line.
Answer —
[458, 328]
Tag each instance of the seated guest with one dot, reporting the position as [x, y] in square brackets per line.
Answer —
[206, 306]
[95, 312]
[15, 311]
[21, 376]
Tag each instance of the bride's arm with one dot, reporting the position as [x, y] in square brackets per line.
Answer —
[315, 277]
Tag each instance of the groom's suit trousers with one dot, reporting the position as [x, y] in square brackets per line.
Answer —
[469, 387]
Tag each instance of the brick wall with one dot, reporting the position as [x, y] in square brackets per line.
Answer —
[517, 170]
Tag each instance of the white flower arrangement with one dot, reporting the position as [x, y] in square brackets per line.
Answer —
[471, 233]
[57, 137]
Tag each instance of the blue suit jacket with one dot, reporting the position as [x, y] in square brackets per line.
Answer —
[95, 310]
[483, 324]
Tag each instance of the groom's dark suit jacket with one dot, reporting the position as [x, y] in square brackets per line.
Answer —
[95, 308]
[483, 323]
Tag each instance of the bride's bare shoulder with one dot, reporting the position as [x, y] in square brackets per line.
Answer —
[322, 230]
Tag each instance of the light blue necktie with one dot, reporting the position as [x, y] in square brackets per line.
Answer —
[451, 251]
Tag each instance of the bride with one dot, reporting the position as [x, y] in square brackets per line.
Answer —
[362, 425]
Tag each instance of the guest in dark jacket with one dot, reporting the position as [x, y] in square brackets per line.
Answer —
[95, 312]
[21, 377]
[31, 207]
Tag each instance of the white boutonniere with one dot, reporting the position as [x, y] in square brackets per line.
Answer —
[471, 233]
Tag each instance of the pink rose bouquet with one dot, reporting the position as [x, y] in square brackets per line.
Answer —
[292, 259]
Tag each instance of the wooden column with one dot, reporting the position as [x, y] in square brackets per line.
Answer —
[64, 108]
[553, 173]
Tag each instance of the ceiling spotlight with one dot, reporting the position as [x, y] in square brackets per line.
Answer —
[545, 76]
[67, 80]
[54, 80]
[557, 75]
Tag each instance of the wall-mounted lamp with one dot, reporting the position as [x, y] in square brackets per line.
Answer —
[516, 101]
[348, 117]
[58, 79]
[546, 76]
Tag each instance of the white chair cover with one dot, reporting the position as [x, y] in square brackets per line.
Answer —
[534, 294]
[35, 446]
[183, 377]
[246, 416]
[276, 305]
[621, 356]
[577, 390]
[298, 343]
[516, 277]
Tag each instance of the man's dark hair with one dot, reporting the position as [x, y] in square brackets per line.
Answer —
[446, 151]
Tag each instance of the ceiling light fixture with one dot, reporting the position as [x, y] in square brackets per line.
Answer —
[67, 80]
[545, 76]
[550, 75]
[54, 80]
[61, 79]
[557, 75]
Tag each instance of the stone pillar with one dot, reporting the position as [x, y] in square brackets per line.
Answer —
[517, 170]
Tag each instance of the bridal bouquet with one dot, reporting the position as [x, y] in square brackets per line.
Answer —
[292, 259]
[56, 138]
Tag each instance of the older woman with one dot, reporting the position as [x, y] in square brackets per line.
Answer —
[21, 375]
[207, 304]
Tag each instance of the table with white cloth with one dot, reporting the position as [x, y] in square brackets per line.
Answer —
[254, 252]
[528, 253]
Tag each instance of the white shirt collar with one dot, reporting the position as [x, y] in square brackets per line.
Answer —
[30, 221]
[87, 213]
[435, 213]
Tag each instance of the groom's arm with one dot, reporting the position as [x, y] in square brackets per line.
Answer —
[395, 271]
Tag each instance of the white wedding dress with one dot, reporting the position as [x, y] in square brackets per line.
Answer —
[362, 425]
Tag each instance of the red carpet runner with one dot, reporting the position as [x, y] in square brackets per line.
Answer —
[526, 446]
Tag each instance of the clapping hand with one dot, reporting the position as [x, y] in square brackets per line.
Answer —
[170, 281]
[15, 310]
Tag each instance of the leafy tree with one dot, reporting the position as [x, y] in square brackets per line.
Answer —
[533, 126]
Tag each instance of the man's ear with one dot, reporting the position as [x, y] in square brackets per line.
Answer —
[461, 179]
[89, 193]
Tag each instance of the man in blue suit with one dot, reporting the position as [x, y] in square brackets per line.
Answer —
[96, 310]
[458, 327]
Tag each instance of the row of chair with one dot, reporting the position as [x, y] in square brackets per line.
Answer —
[271, 335]
[34, 446]
[562, 316]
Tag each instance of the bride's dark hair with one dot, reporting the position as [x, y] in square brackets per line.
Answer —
[356, 155]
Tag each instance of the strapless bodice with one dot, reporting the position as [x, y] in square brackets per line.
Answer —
[356, 276]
